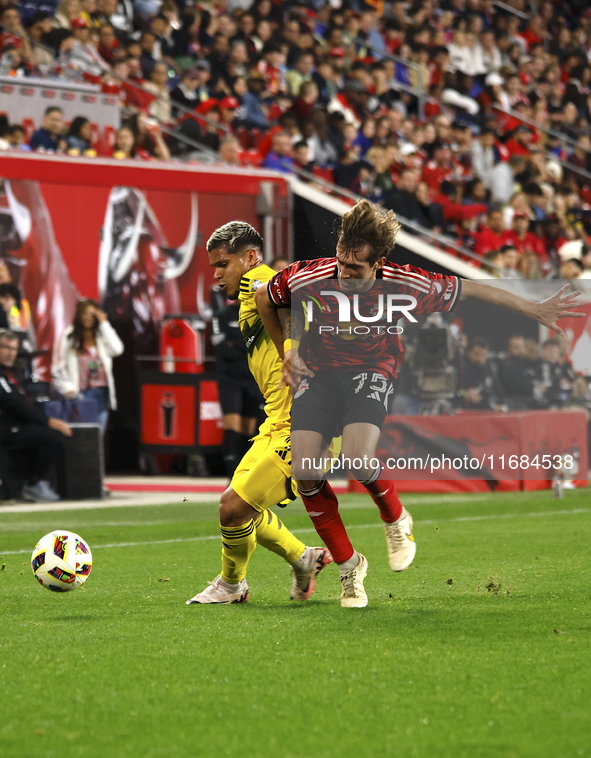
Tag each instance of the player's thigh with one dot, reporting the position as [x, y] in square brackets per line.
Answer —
[315, 406]
[267, 482]
[309, 451]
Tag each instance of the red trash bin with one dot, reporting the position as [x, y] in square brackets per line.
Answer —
[180, 347]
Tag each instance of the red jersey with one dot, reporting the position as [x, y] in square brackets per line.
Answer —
[434, 174]
[486, 241]
[366, 341]
[529, 243]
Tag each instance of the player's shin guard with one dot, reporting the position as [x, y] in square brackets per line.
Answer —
[323, 508]
[238, 544]
[275, 536]
[383, 493]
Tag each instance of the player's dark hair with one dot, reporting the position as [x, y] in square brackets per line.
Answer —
[364, 225]
[234, 236]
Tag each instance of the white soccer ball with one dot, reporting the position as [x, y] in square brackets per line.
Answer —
[61, 561]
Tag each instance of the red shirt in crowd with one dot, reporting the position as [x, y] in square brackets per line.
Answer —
[487, 241]
[433, 175]
[529, 242]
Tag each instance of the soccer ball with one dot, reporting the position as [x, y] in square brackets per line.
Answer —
[61, 561]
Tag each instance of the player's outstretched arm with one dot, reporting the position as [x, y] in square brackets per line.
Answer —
[547, 312]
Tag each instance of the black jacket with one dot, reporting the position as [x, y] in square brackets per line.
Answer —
[230, 351]
[15, 407]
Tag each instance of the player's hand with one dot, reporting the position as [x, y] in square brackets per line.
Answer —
[473, 396]
[60, 426]
[294, 369]
[100, 315]
[558, 306]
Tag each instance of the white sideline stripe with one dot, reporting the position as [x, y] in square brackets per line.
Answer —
[460, 519]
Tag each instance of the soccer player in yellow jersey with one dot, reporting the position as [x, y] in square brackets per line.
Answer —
[262, 478]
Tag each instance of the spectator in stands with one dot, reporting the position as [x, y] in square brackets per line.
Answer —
[150, 53]
[148, 138]
[518, 376]
[255, 110]
[124, 144]
[491, 236]
[557, 375]
[280, 158]
[502, 179]
[440, 168]
[230, 151]
[49, 136]
[118, 13]
[228, 107]
[160, 108]
[12, 33]
[108, 47]
[301, 156]
[529, 266]
[24, 428]
[483, 156]
[186, 93]
[300, 72]
[83, 365]
[16, 137]
[478, 386]
[67, 11]
[39, 26]
[78, 137]
[522, 239]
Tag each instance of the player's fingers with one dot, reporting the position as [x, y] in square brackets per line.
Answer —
[572, 314]
[556, 328]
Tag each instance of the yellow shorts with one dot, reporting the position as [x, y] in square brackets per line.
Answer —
[262, 478]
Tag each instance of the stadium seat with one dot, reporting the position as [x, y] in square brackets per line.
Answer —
[29, 126]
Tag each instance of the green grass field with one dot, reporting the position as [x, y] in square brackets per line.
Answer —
[481, 649]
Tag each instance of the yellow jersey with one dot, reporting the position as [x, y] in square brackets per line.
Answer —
[264, 361]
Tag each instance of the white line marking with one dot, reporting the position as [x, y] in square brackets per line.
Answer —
[460, 519]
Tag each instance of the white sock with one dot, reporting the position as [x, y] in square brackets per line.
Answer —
[351, 563]
[231, 587]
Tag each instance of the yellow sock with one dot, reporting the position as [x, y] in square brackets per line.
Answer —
[238, 544]
[277, 538]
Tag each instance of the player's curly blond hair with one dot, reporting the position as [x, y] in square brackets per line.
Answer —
[366, 224]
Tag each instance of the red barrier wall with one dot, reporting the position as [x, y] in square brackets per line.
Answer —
[499, 440]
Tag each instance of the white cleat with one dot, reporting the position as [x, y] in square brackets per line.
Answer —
[353, 594]
[304, 579]
[218, 594]
[401, 543]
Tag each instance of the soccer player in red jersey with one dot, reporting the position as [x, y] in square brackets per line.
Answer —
[350, 380]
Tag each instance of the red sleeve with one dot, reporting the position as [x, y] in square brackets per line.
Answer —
[433, 292]
[299, 274]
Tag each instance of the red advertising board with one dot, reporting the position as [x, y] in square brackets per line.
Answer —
[131, 235]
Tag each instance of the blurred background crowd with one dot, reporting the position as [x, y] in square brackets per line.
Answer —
[469, 118]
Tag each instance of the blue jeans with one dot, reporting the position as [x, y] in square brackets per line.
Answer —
[101, 396]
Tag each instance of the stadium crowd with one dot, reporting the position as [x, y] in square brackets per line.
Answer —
[464, 118]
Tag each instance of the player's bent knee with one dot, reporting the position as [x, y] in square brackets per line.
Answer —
[234, 511]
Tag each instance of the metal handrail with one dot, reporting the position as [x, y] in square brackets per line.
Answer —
[510, 8]
[537, 125]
